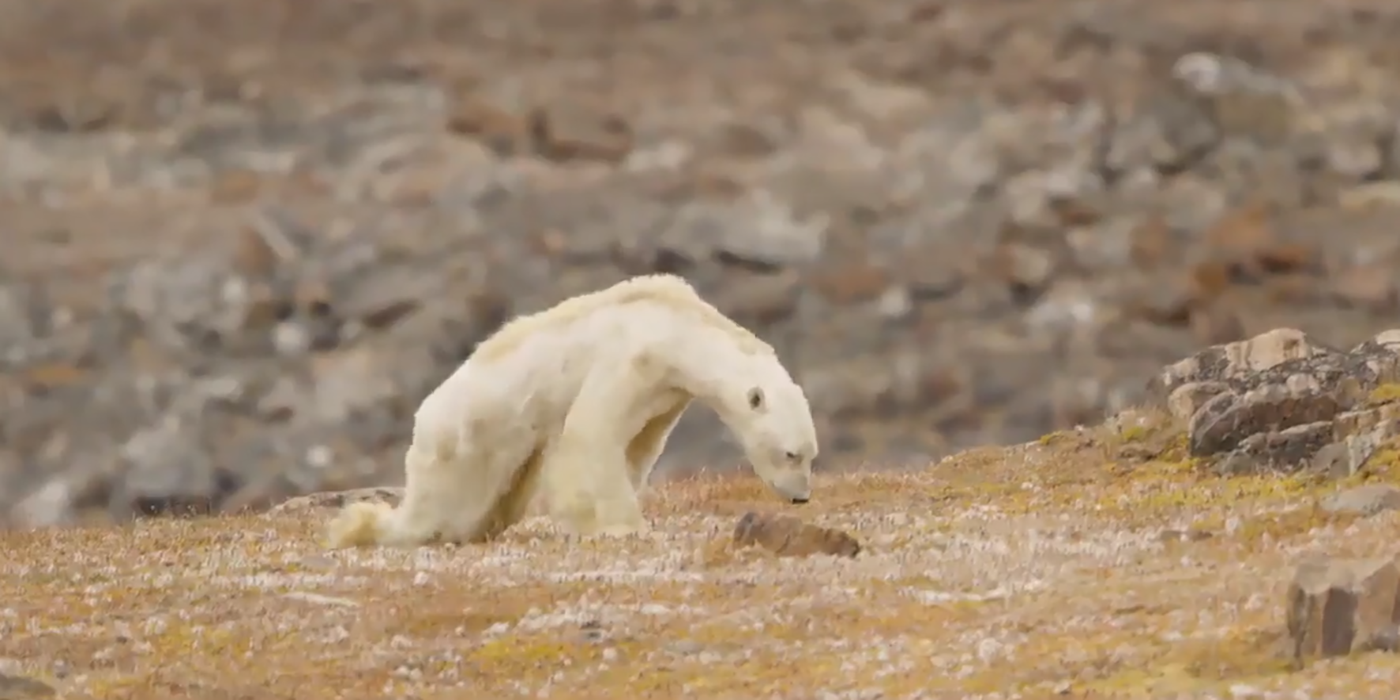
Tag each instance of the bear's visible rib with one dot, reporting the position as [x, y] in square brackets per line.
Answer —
[667, 289]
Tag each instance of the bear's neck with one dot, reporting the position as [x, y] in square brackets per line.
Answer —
[705, 366]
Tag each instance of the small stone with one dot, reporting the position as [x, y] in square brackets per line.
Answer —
[568, 132]
[291, 338]
[1246, 101]
[388, 296]
[787, 536]
[851, 281]
[1027, 270]
[498, 124]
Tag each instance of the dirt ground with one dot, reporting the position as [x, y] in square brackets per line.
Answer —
[1043, 570]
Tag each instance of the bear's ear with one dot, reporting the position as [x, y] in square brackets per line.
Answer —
[756, 398]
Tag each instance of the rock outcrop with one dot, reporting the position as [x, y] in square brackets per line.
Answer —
[1282, 402]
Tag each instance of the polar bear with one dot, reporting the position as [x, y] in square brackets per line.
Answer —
[575, 404]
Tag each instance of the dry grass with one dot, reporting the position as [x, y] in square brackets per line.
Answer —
[1034, 571]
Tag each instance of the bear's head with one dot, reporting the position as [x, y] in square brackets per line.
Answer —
[773, 422]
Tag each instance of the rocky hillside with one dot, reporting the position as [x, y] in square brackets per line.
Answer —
[1203, 544]
[242, 241]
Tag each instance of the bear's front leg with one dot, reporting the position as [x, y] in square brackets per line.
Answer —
[588, 484]
[589, 490]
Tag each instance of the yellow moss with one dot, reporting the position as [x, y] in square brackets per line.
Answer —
[1134, 433]
[1382, 465]
[1385, 393]
[1239, 654]
[1199, 665]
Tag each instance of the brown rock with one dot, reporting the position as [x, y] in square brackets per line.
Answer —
[737, 140]
[1208, 280]
[1287, 257]
[388, 295]
[46, 376]
[502, 128]
[851, 282]
[568, 132]
[787, 536]
[1337, 607]
[1024, 268]
[930, 271]
[1245, 100]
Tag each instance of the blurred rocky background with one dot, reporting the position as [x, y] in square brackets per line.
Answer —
[242, 240]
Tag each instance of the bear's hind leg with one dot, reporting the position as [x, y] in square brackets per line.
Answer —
[514, 502]
[453, 493]
[422, 516]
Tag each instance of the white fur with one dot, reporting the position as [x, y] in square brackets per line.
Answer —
[575, 403]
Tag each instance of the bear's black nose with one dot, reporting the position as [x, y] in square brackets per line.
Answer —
[799, 501]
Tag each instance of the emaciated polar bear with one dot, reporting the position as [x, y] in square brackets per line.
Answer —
[576, 403]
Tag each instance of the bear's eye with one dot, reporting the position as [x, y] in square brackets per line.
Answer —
[755, 398]
[792, 456]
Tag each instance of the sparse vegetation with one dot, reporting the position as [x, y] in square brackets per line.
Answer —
[1040, 569]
